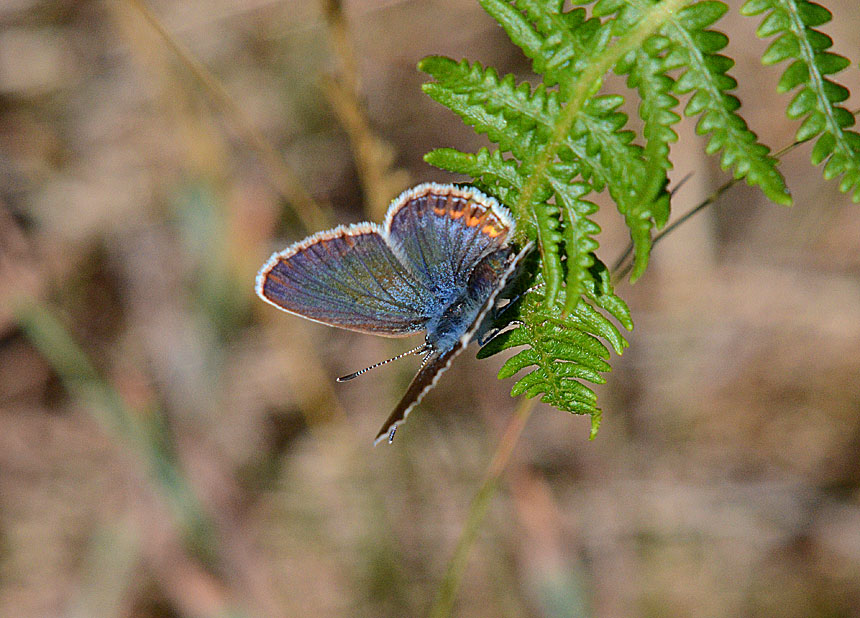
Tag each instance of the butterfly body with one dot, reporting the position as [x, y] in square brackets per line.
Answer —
[436, 264]
[461, 312]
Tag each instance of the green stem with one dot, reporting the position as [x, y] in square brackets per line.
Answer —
[447, 591]
[142, 430]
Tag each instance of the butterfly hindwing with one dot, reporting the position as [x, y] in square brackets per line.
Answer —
[442, 232]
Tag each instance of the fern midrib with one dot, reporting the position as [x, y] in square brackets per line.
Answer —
[592, 74]
[656, 149]
[503, 172]
[808, 54]
[622, 153]
[649, 85]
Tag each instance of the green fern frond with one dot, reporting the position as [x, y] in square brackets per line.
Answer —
[562, 139]
[525, 123]
[646, 71]
[560, 351]
[560, 44]
[499, 176]
[817, 102]
[558, 142]
[521, 121]
[571, 51]
[686, 43]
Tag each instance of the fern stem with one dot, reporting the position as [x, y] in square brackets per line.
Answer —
[619, 273]
[447, 592]
[585, 86]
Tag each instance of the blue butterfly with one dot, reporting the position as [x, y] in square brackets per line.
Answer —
[436, 264]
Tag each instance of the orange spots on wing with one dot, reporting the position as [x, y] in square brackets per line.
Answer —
[474, 215]
[477, 217]
[492, 230]
[276, 277]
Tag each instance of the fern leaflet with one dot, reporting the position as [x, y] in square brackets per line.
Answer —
[818, 100]
[560, 350]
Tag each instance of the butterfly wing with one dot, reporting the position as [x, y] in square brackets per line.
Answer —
[347, 277]
[441, 232]
[423, 381]
[491, 276]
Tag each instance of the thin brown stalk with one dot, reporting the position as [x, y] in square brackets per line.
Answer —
[373, 155]
[619, 272]
[309, 212]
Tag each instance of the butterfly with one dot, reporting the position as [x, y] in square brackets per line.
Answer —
[436, 264]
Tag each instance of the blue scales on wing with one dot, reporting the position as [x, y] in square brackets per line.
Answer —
[441, 233]
[347, 277]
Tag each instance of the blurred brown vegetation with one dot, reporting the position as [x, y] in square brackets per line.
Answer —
[170, 446]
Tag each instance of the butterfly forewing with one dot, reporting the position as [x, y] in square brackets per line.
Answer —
[423, 381]
[347, 277]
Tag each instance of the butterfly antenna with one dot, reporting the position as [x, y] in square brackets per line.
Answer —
[417, 350]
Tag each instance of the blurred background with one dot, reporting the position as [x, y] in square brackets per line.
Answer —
[171, 446]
